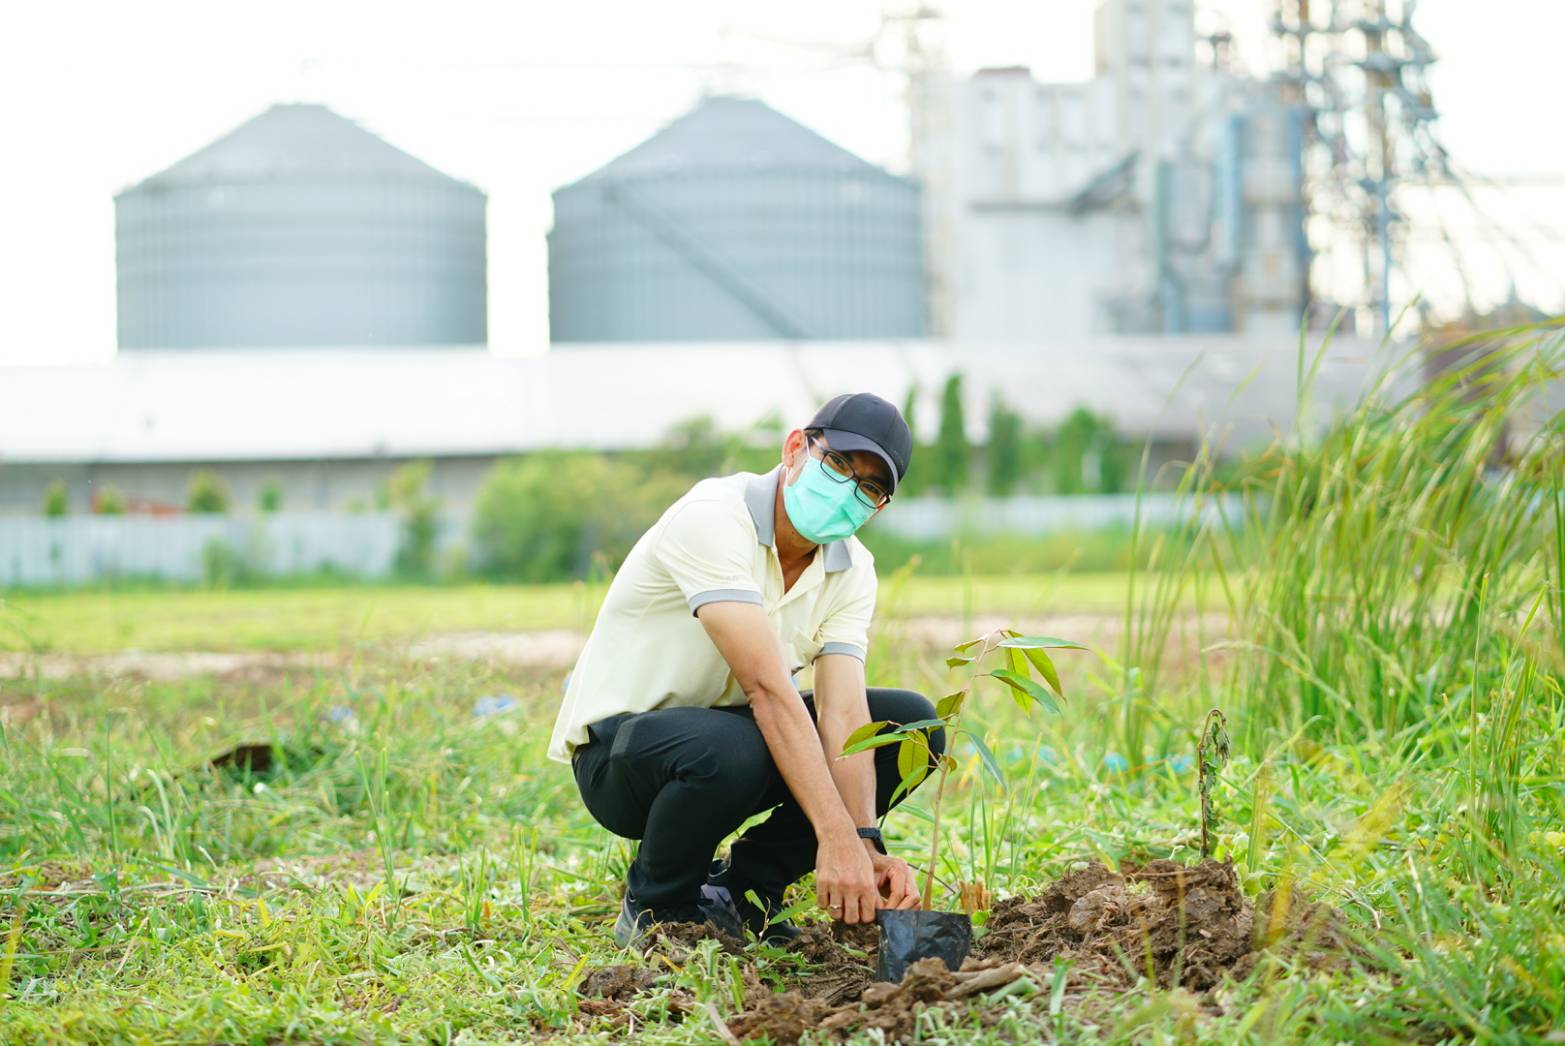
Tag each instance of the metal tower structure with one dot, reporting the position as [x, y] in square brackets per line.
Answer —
[1359, 67]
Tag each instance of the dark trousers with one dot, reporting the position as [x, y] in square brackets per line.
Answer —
[682, 779]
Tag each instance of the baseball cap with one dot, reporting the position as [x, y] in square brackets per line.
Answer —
[864, 421]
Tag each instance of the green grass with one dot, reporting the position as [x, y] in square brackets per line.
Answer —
[330, 618]
[1394, 681]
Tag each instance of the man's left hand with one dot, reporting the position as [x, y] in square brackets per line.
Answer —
[895, 879]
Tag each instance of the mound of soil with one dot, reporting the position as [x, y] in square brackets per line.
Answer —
[1171, 923]
[1177, 925]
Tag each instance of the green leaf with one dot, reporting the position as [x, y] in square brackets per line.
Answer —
[1042, 642]
[987, 757]
[920, 724]
[1045, 667]
[952, 662]
[968, 645]
[796, 909]
[878, 741]
[1017, 660]
[864, 732]
[912, 764]
[913, 758]
[1025, 690]
[951, 704]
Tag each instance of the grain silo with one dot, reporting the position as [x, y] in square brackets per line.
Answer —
[735, 222]
[300, 228]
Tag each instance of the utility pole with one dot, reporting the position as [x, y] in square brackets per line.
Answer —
[1361, 75]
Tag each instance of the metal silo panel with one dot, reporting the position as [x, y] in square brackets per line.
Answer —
[300, 229]
[679, 239]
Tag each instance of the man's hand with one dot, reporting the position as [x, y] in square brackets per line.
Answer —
[894, 879]
[845, 880]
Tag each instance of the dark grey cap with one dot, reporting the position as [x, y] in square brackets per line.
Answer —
[864, 421]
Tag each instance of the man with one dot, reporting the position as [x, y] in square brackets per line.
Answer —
[681, 720]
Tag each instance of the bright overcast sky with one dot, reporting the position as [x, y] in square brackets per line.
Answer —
[518, 101]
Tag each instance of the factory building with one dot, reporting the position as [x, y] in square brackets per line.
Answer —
[1162, 196]
[736, 223]
[300, 229]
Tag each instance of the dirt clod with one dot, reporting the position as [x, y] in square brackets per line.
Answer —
[679, 938]
[618, 982]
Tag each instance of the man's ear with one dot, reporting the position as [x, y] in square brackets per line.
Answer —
[792, 446]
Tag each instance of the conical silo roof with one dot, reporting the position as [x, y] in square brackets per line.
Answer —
[733, 134]
[296, 141]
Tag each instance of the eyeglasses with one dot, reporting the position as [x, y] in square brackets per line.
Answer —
[840, 468]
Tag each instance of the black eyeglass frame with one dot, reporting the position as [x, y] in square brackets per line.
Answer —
[836, 472]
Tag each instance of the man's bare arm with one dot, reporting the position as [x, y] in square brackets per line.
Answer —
[844, 873]
[842, 706]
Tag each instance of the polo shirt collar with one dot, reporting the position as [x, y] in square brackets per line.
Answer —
[760, 496]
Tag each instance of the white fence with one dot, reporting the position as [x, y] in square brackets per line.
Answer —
[77, 550]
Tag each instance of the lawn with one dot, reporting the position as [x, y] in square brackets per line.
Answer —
[1389, 826]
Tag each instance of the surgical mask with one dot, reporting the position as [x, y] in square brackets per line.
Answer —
[822, 508]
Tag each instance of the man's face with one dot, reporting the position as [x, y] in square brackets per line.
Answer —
[869, 468]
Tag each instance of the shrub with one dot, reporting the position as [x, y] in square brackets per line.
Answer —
[545, 516]
[207, 493]
[271, 496]
[405, 493]
[109, 501]
[56, 502]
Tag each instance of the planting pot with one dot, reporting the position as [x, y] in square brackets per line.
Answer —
[907, 936]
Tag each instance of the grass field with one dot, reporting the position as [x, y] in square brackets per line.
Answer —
[327, 618]
[408, 870]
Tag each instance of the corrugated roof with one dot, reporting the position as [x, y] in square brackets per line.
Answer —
[295, 141]
[273, 405]
[733, 134]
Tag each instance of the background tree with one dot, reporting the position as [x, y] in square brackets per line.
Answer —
[56, 501]
[1005, 448]
[407, 494]
[207, 493]
[951, 449]
[270, 498]
[1072, 443]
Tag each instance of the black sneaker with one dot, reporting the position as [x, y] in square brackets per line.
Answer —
[633, 926]
[757, 920]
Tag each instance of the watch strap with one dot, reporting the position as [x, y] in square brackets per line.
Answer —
[874, 836]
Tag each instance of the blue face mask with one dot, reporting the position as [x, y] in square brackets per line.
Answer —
[822, 508]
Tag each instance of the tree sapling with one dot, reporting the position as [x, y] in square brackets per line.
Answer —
[907, 936]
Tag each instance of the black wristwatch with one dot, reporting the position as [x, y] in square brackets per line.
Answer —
[873, 835]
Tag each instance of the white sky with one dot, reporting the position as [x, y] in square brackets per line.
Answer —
[520, 98]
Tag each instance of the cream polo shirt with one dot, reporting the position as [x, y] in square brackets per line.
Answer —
[648, 650]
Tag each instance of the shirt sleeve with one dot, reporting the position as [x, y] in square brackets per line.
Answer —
[846, 628]
[710, 554]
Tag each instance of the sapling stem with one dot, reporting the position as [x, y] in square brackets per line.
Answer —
[946, 762]
[1211, 754]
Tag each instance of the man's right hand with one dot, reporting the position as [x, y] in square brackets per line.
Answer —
[845, 880]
